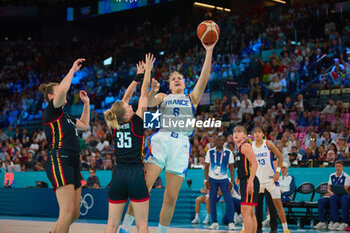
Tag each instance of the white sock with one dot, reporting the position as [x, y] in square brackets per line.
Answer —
[268, 217]
[285, 226]
[162, 229]
[197, 215]
[207, 215]
[128, 220]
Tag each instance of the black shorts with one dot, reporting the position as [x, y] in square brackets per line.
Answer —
[247, 199]
[128, 182]
[62, 168]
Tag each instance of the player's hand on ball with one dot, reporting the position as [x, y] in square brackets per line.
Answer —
[209, 48]
[77, 64]
[155, 85]
[149, 61]
[84, 97]
[140, 67]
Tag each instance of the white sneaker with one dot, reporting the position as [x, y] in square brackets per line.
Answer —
[214, 226]
[206, 221]
[231, 226]
[195, 221]
[266, 223]
[321, 226]
[342, 227]
[334, 226]
[237, 218]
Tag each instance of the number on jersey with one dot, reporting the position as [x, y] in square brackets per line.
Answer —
[261, 161]
[124, 140]
[176, 111]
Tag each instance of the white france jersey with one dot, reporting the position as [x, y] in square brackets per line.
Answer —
[177, 114]
[264, 158]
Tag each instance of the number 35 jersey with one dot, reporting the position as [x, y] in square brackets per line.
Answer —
[129, 142]
[264, 158]
[60, 130]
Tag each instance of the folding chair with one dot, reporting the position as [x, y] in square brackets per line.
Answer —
[321, 189]
[305, 188]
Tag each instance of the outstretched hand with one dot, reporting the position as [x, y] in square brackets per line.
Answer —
[140, 67]
[84, 97]
[77, 64]
[149, 61]
[155, 85]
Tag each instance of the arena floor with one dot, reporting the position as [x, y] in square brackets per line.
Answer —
[11, 224]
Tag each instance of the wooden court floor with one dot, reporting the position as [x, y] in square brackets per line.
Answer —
[21, 226]
[26, 226]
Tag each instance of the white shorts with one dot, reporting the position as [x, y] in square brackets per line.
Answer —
[272, 188]
[170, 151]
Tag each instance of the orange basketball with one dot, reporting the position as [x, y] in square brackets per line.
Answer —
[208, 32]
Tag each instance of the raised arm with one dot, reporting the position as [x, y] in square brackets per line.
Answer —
[198, 90]
[143, 102]
[155, 99]
[133, 84]
[60, 96]
[247, 150]
[279, 156]
[84, 121]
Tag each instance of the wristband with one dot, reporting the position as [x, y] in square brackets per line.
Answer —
[278, 169]
[205, 180]
[138, 77]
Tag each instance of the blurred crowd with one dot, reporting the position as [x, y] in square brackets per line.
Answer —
[317, 52]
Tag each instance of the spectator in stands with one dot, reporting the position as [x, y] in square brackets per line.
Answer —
[235, 102]
[246, 106]
[309, 154]
[259, 103]
[346, 135]
[343, 149]
[301, 103]
[327, 140]
[92, 182]
[287, 184]
[30, 162]
[340, 107]
[338, 124]
[321, 155]
[108, 165]
[330, 108]
[287, 124]
[333, 201]
[34, 146]
[93, 163]
[323, 123]
[288, 105]
[325, 79]
[331, 157]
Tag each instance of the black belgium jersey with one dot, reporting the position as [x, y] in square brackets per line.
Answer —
[129, 141]
[241, 163]
[60, 129]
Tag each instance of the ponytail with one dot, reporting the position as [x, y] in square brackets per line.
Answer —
[115, 115]
[47, 89]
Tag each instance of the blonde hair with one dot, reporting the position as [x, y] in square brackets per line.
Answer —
[115, 115]
[175, 73]
[47, 89]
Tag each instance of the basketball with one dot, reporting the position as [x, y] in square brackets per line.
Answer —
[208, 32]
